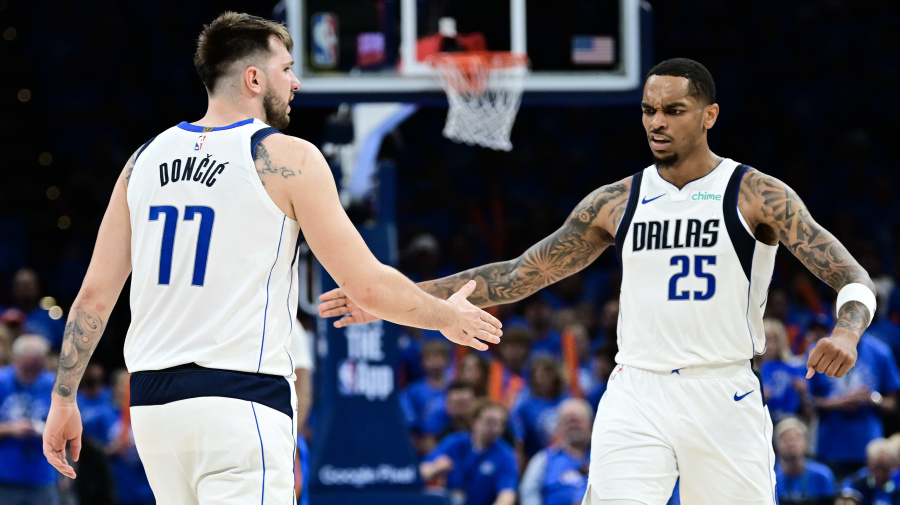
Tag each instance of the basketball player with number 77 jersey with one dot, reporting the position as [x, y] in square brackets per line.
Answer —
[206, 217]
[696, 235]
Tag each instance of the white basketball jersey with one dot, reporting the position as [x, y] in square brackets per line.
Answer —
[694, 279]
[212, 255]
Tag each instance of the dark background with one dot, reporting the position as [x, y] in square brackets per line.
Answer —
[807, 91]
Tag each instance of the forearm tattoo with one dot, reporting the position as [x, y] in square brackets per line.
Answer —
[80, 338]
[813, 245]
[853, 316]
[571, 248]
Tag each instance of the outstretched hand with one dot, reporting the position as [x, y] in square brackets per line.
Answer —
[473, 326]
[335, 303]
[834, 355]
[63, 424]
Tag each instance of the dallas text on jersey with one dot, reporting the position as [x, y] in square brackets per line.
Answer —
[655, 235]
[178, 171]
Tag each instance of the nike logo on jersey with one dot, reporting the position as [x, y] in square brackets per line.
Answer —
[739, 398]
[654, 198]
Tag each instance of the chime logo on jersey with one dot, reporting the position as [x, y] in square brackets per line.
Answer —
[199, 144]
[704, 196]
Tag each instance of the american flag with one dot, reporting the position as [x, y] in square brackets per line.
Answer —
[593, 50]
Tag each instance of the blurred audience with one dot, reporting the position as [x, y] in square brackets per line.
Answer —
[507, 379]
[557, 475]
[535, 415]
[783, 375]
[800, 481]
[452, 415]
[26, 478]
[477, 467]
[873, 483]
[849, 409]
[26, 293]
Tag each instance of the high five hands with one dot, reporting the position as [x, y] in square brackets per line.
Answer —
[471, 326]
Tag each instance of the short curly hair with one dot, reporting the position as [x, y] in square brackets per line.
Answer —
[701, 84]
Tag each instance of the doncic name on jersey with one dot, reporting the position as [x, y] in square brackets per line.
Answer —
[204, 172]
[652, 235]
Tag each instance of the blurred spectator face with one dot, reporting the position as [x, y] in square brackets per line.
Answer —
[771, 353]
[120, 386]
[26, 287]
[30, 357]
[582, 342]
[575, 423]
[92, 382]
[609, 315]
[545, 378]
[777, 306]
[514, 355]
[434, 363]
[881, 465]
[472, 372]
[459, 402]
[489, 425]
[791, 444]
[539, 315]
[14, 320]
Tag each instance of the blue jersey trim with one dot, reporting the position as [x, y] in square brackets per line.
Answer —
[266, 310]
[742, 242]
[141, 150]
[262, 451]
[630, 208]
[159, 387]
[184, 125]
[257, 137]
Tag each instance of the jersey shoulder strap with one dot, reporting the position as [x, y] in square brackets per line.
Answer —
[633, 196]
[258, 136]
[741, 240]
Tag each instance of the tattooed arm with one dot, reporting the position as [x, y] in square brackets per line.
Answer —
[778, 214]
[589, 229]
[576, 244]
[109, 268]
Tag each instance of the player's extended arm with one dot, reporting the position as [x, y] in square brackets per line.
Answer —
[334, 240]
[778, 207]
[107, 273]
[578, 242]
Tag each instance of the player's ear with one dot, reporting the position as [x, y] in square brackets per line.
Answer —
[252, 78]
[710, 114]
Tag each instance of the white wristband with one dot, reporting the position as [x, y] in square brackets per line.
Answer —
[857, 292]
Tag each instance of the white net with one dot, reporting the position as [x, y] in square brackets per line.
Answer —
[484, 91]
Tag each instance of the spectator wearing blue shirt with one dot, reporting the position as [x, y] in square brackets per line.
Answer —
[422, 397]
[799, 481]
[451, 416]
[849, 408]
[534, 418]
[477, 467]
[783, 375]
[874, 482]
[602, 366]
[557, 475]
[26, 478]
[539, 316]
[95, 402]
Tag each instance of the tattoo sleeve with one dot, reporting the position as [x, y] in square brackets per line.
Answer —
[82, 333]
[568, 250]
[781, 209]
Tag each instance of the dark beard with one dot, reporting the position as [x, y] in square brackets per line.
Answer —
[665, 162]
[276, 114]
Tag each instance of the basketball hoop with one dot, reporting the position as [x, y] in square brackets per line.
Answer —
[484, 89]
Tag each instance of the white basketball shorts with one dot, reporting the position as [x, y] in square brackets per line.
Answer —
[707, 425]
[201, 448]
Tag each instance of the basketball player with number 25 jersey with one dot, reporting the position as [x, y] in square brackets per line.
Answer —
[207, 216]
[696, 235]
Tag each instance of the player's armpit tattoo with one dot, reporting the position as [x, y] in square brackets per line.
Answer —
[80, 337]
[813, 245]
[265, 167]
[129, 167]
[568, 250]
